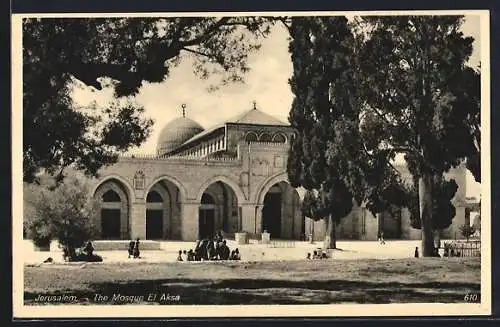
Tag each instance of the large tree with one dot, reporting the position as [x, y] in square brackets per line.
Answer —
[122, 53]
[322, 85]
[443, 210]
[423, 96]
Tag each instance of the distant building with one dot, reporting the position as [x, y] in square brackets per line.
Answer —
[231, 177]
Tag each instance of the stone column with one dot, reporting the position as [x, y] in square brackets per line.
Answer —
[138, 219]
[189, 228]
[258, 217]
[248, 219]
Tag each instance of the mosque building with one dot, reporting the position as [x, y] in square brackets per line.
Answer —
[231, 177]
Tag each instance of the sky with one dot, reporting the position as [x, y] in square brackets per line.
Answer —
[266, 83]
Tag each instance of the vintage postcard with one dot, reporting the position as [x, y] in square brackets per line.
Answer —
[251, 164]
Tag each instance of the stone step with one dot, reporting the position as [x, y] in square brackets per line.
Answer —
[105, 245]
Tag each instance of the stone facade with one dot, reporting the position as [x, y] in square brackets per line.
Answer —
[224, 179]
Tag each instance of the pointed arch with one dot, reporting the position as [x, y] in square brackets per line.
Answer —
[267, 184]
[112, 218]
[171, 179]
[220, 178]
[127, 187]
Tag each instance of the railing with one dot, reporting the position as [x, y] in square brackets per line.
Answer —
[182, 158]
[281, 244]
[462, 249]
[271, 144]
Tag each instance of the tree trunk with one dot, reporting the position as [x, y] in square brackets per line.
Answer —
[425, 205]
[330, 237]
[437, 239]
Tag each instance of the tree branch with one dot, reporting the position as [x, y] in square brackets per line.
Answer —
[284, 21]
[197, 40]
[196, 52]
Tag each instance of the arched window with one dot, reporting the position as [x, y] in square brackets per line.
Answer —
[154, 196]
[265, 137]
[139, 180]
[251, 137]
[111, 196]
[279, 138]
[207, 199]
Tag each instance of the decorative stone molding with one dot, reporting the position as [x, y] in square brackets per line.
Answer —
[139, 180]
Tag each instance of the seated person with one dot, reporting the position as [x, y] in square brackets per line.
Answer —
[179, 257]
[315, 255]
[324, 256]
[235, 254]
[184, 255]
[89, 249]
[48, 260]
[308, 256]
[65, 254]
[224, 251]
[190, 255]
[211, 253]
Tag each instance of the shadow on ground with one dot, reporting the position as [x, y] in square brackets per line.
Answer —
[271, 291]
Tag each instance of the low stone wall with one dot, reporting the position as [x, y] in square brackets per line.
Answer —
[123, 245]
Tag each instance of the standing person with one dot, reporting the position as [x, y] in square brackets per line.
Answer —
[382, 241]
[131, 247]
[197, 251]
[136, 249]
[416, 252]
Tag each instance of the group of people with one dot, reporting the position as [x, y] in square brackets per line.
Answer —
[133, 249]
[214, 248]
[317, 255]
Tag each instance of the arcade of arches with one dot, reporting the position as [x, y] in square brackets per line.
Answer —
[218, 210]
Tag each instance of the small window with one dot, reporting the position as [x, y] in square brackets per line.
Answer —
[264, 137]
[279, 138]
[251, 137]
[111, 196]
[154, 196]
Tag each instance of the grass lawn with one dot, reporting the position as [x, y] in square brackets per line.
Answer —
[266, 282]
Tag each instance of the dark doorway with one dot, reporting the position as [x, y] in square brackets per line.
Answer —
[154, 224]
[110, 223]
[271, 214]
[206, 223]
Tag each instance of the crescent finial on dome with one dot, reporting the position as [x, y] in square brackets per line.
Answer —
[183, 110]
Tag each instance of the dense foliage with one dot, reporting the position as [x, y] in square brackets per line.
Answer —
[378, 87]
[63, 213]
[123, 53]
[323, 85]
